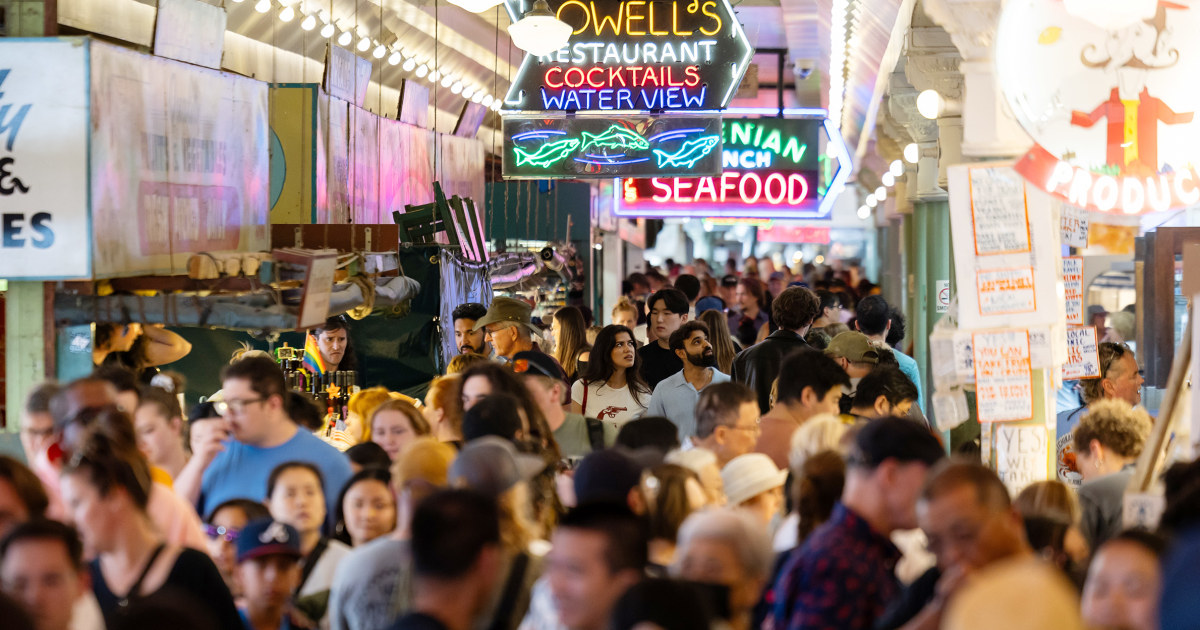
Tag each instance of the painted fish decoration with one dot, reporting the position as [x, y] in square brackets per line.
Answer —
[616, 137]
[689, 154]
[547, 154]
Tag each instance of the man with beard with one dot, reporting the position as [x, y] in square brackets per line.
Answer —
[333, 342]
[675, 397]
[466, 338]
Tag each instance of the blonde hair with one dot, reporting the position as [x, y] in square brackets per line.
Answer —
[1049, 499]
[1116, 425]
[364, 402]
[623, 304]
[461, 362]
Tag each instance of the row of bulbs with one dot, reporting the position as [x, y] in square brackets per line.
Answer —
[895, 169]
[422, 70]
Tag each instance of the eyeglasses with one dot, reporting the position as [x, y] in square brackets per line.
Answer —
[227, 534]
[755, 428]
[224, 407]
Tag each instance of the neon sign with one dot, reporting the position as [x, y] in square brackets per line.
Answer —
[601, 147]
[1110, 103]
[771, 168]
[636, 55]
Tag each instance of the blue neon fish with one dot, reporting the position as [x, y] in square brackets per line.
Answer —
[689, 154]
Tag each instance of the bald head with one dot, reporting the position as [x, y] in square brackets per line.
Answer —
[953, 474]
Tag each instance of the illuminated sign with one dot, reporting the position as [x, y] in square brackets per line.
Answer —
[636, 55]
[770, 169]
[584, 147]
[1109, 99]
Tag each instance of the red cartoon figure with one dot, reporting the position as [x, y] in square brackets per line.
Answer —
[1132, 113]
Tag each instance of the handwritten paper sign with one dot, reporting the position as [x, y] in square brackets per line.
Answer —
[1003, 291]
[1073, 289]
[191, 31]
[999, 212]
[346, 75]
[1022, 455]
[964, 357]
[1083, 354]
[1074, 224]
[1003, 376]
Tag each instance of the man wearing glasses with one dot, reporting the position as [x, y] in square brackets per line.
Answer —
[264, 436]
[1120, 379]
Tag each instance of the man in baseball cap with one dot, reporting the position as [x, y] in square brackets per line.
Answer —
[268, 565]
[509, 327]
[857, 355]
[547, 383]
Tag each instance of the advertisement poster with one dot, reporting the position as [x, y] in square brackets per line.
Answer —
[1003, 376]
[180, 156]
[1022, 455]
[44, 160]
[1073, 289]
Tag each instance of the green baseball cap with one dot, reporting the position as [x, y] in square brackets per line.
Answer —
[853, 346]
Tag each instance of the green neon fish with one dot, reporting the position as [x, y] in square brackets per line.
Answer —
[691, 152]
[616, 137]
[547, 154]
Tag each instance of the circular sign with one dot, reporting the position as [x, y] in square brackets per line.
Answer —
[1110, 107]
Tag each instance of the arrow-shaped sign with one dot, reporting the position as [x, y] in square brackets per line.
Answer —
[635, 55]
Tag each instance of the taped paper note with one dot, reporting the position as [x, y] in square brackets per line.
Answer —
[1003, 376]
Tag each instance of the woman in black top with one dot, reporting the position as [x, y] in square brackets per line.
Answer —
[106, 487]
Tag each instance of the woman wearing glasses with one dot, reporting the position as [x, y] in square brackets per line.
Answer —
[223, 527]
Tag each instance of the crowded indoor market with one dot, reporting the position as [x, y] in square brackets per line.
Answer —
[599, 315]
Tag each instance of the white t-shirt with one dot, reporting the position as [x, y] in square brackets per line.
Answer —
[617, 406]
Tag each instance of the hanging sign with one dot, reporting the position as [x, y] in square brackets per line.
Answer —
[1083, 354]
[770, 170]
[1109, 102]
[1003, 376]
[596, 147]
[635, 55]
[1073, 289]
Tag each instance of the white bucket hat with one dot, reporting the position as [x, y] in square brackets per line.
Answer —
[747, 476]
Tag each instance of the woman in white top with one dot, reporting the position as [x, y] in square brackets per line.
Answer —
[612, 389]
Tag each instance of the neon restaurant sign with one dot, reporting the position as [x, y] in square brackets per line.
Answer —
[1108, 94]
[770, 169]
[594, 147]
[636, 55]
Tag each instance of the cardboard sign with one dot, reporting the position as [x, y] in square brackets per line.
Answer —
[45, 232]
[1074, 224]
[1072, 267]
[999, 212]
[1083, 354]
[1003, 376]
[1022, 455]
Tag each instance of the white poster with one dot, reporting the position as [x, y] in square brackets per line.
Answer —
[1003, 376]
[45, 227]
[191, 31]
[1022, 455]
[1073, 289]
[1074, 223]
[1083, 354]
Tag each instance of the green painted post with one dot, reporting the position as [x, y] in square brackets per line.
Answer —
[25, 349]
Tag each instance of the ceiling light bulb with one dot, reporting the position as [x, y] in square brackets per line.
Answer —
[309, 22]
[456, 88]
[863, 212]
[468, 91]
[888, 179]
[539, 32]
[287, 14]
[395, 58]
[447, 80]
[881, 193]
[422, 70]
[871, 201]
[327, 31]
[237, 1]
[479, 97]
[344, 39]
[379, 52]
[912, 153]
[929, 104]
[897, 168]
[434, 75]
[496, 105]
[263, 6]
[410, 64]
[488, 99]
[364, 45]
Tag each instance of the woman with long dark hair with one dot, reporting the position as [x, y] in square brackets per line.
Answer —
[722, 342]
[612, 389]
[570, 340]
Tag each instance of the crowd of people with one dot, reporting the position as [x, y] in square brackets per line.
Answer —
[743, 452]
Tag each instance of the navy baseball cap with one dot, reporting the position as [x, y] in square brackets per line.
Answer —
[268, 537]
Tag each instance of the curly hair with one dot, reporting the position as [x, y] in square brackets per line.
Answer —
[1115, 425]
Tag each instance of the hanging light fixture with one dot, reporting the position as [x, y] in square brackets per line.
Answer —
[476, 6]
[344, 39]
[263, 6]
[309, 22]
[539, 32]
[364, 44]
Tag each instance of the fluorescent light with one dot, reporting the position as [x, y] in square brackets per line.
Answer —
[912, 153]
[539, 32]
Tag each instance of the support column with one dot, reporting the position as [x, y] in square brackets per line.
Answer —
[28, 350]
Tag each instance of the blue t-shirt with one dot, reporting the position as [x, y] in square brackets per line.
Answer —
[908, 365]
[241, 470]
